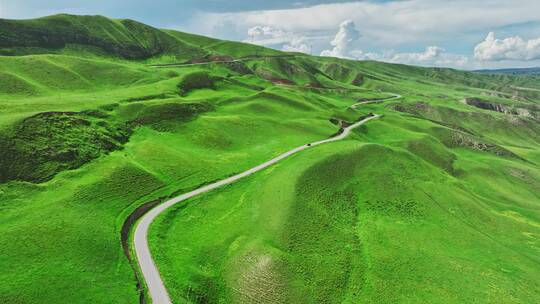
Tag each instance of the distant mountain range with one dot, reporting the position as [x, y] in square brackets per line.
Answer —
[522, 71]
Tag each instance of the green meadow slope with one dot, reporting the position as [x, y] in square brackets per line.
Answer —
[438, 201]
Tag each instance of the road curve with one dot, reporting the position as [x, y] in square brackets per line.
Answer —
[153, 280]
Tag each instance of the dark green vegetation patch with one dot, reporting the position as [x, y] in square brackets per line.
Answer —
[166, 116]
[195, 80]
[42, 145]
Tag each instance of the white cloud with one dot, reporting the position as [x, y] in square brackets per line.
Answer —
[432, 56]
[267, 35]
[431, 53]
[391, 23]
[297, 45]
[511, 48]
[346, 35]
[343, 47]
[272, 36]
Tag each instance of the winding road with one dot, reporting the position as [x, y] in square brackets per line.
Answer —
[150, 272]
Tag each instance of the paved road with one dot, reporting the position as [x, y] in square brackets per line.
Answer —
[154, 283]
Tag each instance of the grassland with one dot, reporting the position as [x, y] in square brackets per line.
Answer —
[436, 202]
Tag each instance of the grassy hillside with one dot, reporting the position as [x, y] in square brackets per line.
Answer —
[101, 36]
[436, 202]
[123, 38]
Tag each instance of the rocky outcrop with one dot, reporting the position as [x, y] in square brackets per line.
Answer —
[486, 105]
[358, 80]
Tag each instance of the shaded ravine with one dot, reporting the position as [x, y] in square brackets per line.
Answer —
[149, 270]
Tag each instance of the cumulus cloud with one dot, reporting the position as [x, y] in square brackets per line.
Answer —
[391, 23]
[511, 48]
[345, 37]
[272, 36]
[432, 56]
[431, 53]
[297, 45]
[343, 47]
[267, 35]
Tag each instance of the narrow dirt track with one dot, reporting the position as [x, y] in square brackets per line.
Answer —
[396, 96]
[179, 65]
[526, 89]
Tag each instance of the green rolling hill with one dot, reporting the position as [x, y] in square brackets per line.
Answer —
[438, 201]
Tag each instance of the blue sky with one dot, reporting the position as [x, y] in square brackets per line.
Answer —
[455, 33]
